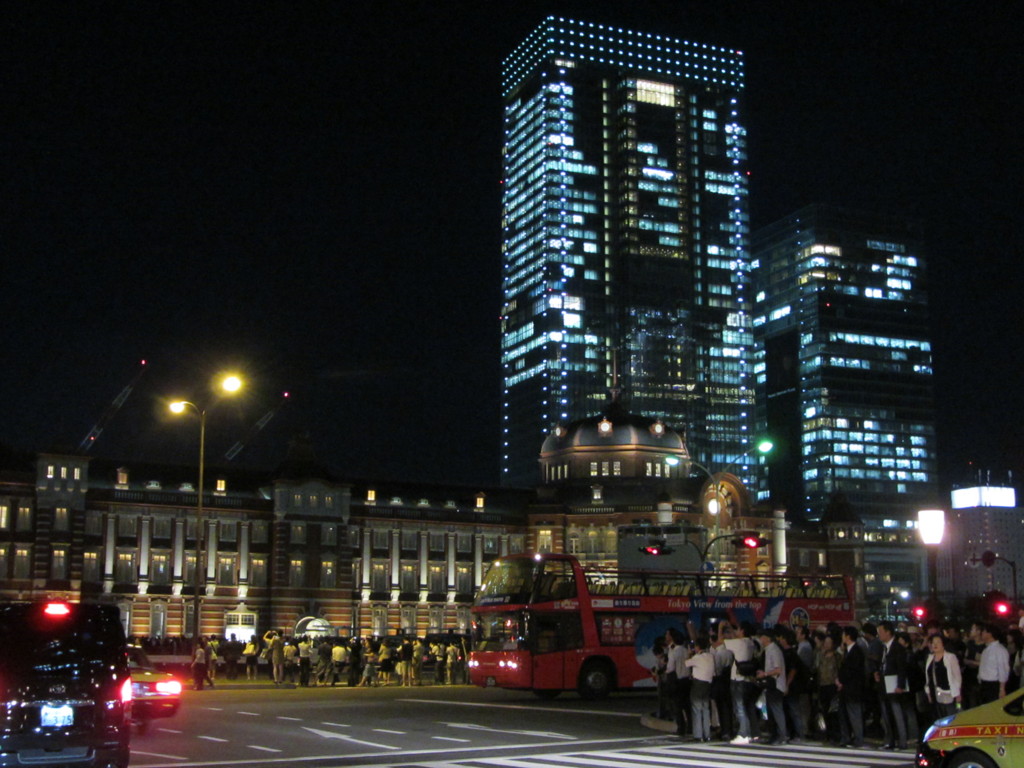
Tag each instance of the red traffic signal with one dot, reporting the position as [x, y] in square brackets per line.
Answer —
[656, 548]
[919, 612]
[998, 603]
[750, 541]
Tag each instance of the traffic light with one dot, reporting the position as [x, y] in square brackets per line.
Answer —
[656, 548]
[749, 541]
[919, 612]
[998, 604]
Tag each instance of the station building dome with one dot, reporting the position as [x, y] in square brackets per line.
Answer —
[613, 445]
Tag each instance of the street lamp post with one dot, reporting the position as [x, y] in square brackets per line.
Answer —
[714, 505]
[229, 384]
[763, 447]
[988, 559]
[931, 526]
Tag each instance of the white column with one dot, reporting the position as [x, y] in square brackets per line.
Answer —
[109, 551]
[367, 555]
[450, 562]
[144, 544]
[178, 557]
[212, 531]
[396, 544]
[478, 559]
[779, 558]
[244, 535]
[424, 552]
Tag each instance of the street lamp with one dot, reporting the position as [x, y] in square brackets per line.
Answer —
[229, 384]
[931, 526]
[763, 447]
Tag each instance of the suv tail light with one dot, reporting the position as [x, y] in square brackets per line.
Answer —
[56, 609]
[126, 690]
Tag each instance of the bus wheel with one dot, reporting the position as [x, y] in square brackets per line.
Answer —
[547, 693]
[596, 680]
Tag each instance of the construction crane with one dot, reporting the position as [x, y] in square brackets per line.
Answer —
[235, 449]
[113, 408]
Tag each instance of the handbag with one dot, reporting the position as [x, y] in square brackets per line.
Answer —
[748, 668]
[944, 697]
[766, 683]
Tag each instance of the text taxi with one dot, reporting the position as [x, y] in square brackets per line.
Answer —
[989, 736]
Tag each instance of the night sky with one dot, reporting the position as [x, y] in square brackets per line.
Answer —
[309, 192]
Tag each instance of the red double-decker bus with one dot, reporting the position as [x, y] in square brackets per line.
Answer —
[548, 624]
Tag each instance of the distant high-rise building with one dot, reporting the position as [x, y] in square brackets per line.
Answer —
[844, 378]
[625, 240]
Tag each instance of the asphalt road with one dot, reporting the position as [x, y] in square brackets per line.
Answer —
[440, 727]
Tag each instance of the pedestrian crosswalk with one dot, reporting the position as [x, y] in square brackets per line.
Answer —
[694, 756]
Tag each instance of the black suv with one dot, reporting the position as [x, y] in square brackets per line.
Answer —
[65, 690]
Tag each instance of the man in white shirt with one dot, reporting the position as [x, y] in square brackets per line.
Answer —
[702, 666]
[722, 680]
[742, 687]
[775, 693]
[994, 667]
[679, 676]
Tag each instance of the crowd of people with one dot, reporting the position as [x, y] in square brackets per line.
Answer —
[328, 661]
[841, 685]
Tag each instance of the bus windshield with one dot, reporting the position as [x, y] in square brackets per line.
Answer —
[498, 631]
[508, 581]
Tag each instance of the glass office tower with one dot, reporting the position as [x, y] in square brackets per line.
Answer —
[625, 240]
[844, 375]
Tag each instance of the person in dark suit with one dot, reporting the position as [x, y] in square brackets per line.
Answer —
[851, 690]
[892, 687]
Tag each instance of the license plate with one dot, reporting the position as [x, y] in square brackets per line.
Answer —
[56, 717]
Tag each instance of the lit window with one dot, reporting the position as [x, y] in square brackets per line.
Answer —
[650, 92]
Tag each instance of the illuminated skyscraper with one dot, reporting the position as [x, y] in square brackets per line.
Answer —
[845, 383]
[625, 239]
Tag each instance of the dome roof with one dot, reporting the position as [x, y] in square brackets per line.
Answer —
[615, 427]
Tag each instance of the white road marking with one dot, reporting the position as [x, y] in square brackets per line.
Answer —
[214, 738]
[337, 725]
[262, 749]
[435, 702]
[541, 734]
[249, 762]
[250, 714]
[449, 738]
[385, 730]
[332, 735]
[158, 754]
[282, 717]
[168, 730]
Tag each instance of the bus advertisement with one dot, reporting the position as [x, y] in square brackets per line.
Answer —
[547, 623]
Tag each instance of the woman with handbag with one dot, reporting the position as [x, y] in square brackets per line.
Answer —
[943, 678]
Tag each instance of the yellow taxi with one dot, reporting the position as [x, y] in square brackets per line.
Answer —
[989, 736]
[155, 693]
